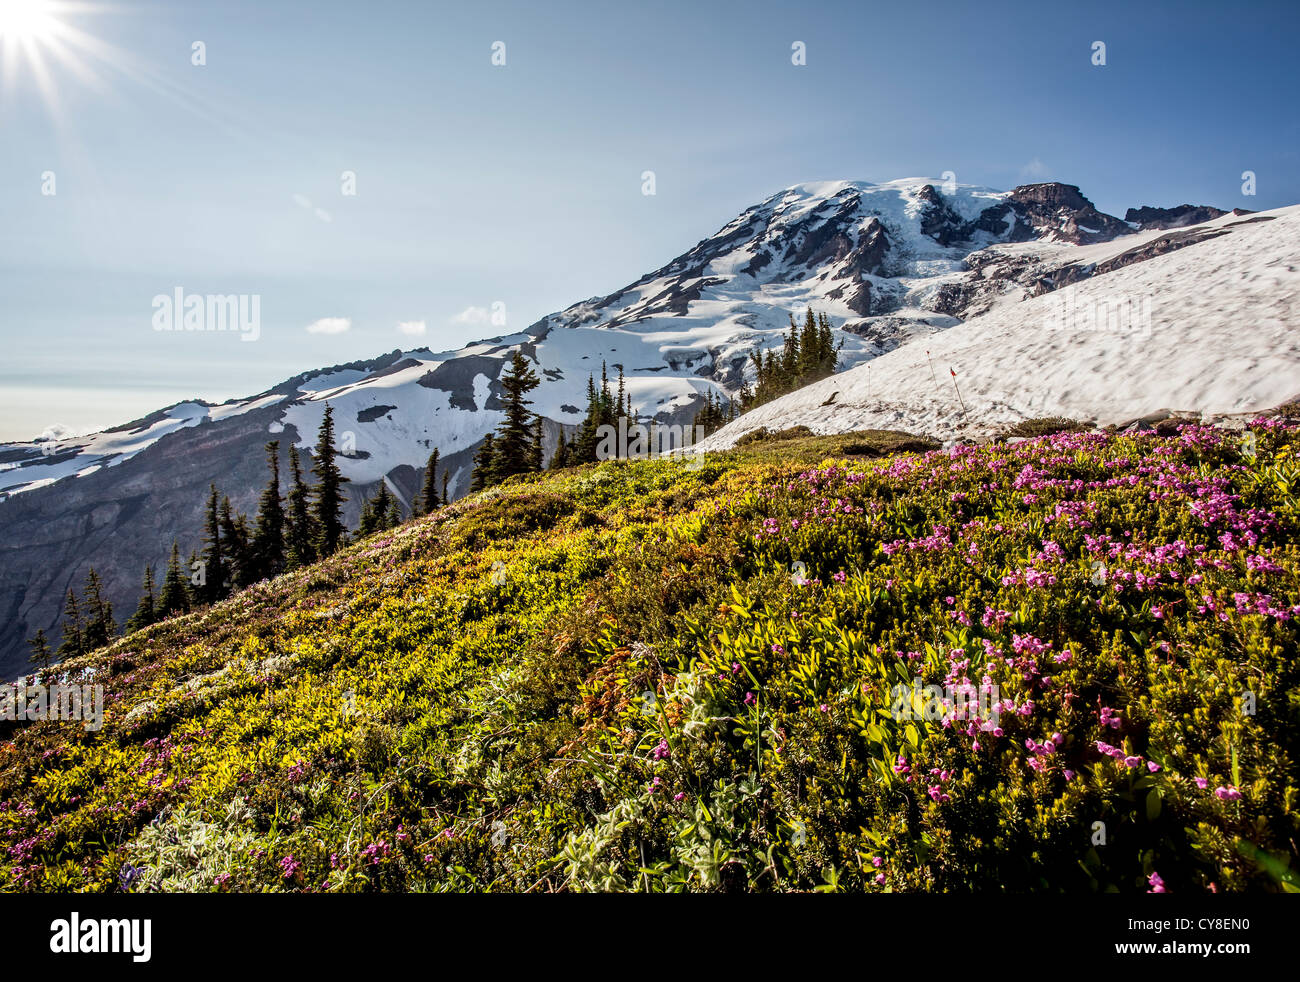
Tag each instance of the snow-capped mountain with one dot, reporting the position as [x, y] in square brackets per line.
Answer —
[890, 264]
[1209, 331]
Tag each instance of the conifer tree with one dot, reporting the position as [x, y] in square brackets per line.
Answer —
[513, 447]
[215, 572]
[100, 627]
[236, 551]
[41, 653]
[268, 538]
[587, 437]
[239, 547]
[809, 359]
[711, 416]
[809, 353]
[603, 409]
[560, 457]
[74, 628]
[446, 475]
[535, 455]
[485, 461]
[301, 534]
[175, 597]
[197, 584]
[394, 517]
[329, 496]
[146, 610]
[827, 350]
[375, 511]
[429, 496]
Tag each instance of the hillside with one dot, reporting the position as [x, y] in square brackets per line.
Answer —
[667, 675]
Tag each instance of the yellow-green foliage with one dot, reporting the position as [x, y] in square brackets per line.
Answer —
[658, 676]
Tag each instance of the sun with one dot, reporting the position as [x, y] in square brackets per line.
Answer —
[41, 44]
[27, 20]
[45, 46]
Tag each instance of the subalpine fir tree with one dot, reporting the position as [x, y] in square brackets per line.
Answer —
[535, 446]
[712, 415]
[236, 551]
[175, 597]
[146, 610]
[828, 350]
[513, 445]
[41, 654]
[100, 627]
[561, 455]
[485, 461]
[375, 511]
[394, 517]
[268, 538]
[429, 500]
[301, 534]
[603, 409]
[808, 360]
[74, 628]
[445, 477]
[215, 573]
[198, 581]
[239, 547]
[587, 437]
[329, 496]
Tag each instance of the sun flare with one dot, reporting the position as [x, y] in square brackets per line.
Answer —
[46, 46]
[27, 20]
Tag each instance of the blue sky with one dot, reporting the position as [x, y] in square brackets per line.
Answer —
[521, 184]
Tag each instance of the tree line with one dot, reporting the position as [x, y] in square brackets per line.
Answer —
[515, 447]
[808, 355]
[289, 530]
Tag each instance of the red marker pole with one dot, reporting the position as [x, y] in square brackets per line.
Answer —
[954, 385]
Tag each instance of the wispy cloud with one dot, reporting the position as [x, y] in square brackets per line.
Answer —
[473, 316]
[57, 431]
[330, 325]
[411, 328]
[304, 202]
[1035, 168]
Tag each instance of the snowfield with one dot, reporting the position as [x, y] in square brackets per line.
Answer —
[1223, 337]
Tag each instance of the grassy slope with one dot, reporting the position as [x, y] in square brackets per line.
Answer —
[609, 679]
